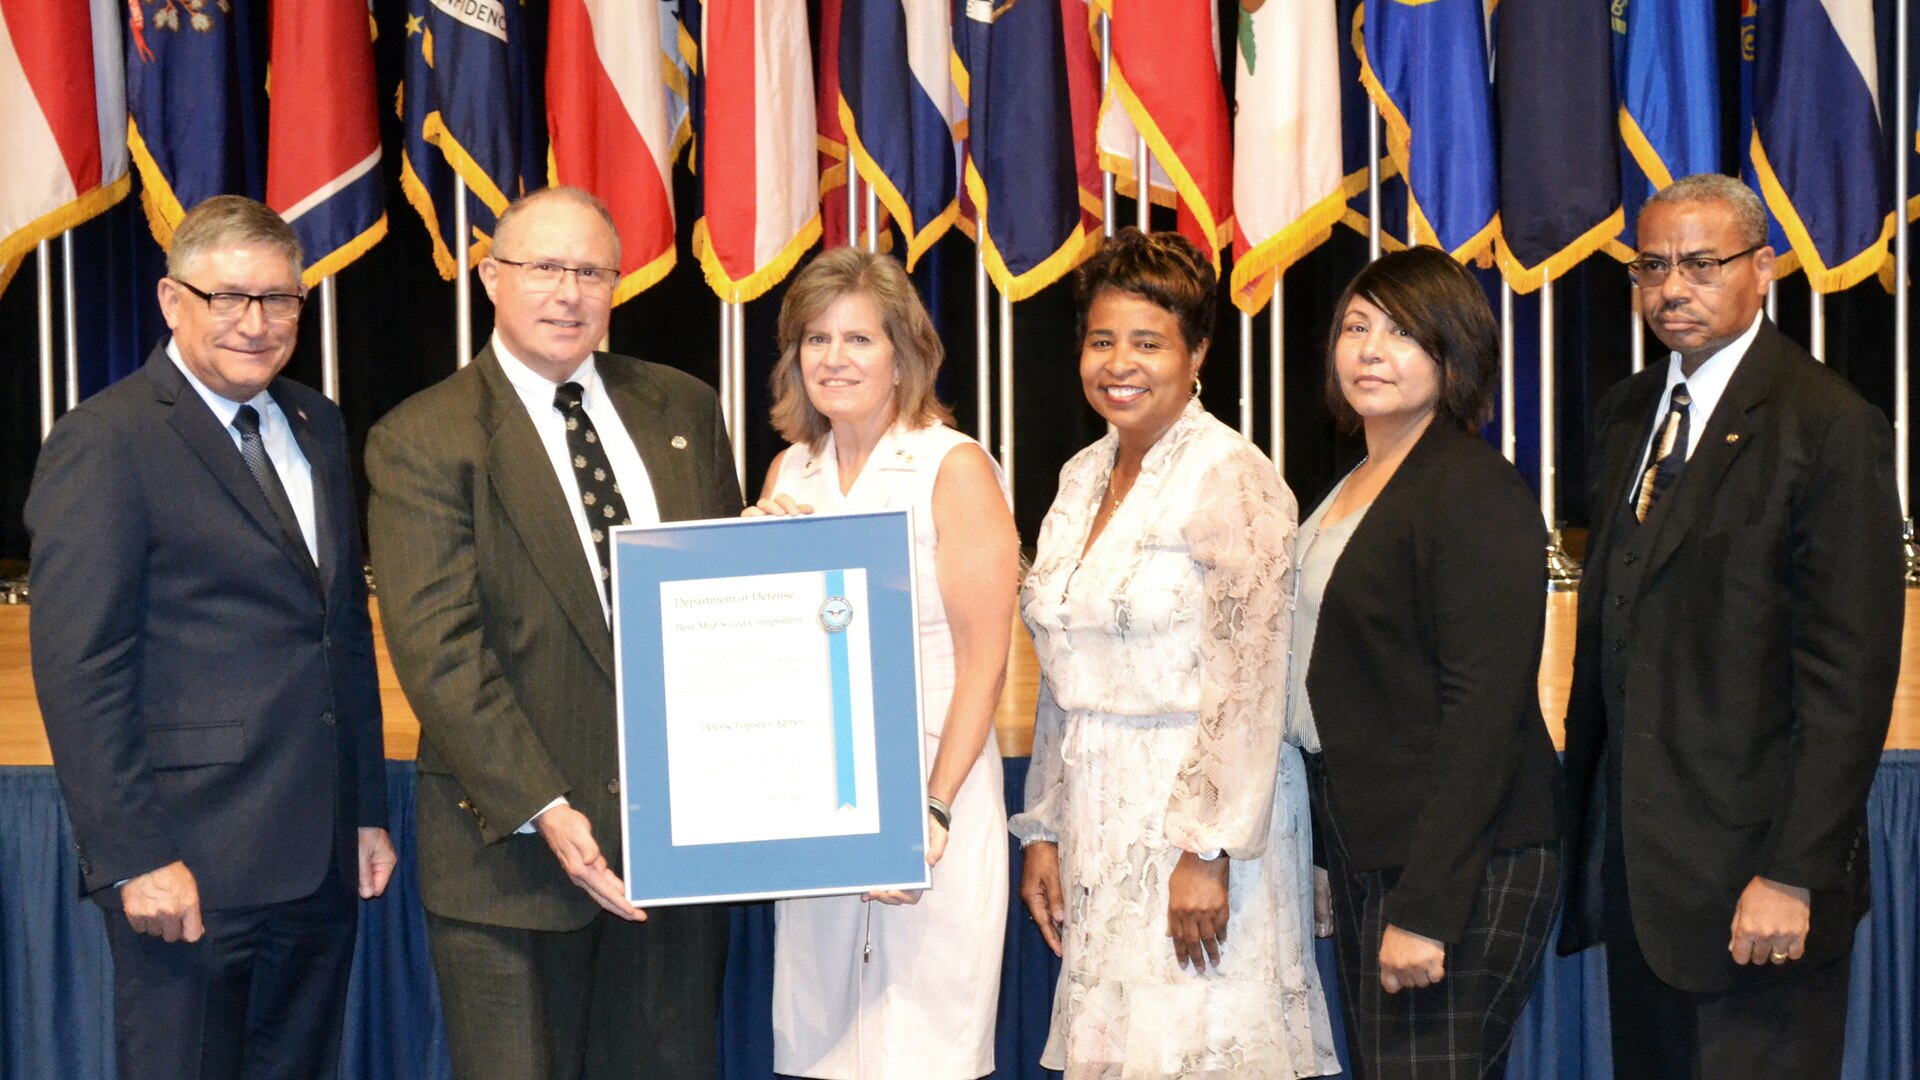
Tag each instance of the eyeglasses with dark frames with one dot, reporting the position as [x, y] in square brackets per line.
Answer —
[1698, 269]
[280, 307]
[547, 275]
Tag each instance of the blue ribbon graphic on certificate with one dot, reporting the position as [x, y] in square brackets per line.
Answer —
[769, 703]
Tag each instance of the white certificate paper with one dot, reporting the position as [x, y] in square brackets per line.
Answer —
[769, 703]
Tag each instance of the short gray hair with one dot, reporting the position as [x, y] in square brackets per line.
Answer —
[1749, 214]
[225, 220]
[578, 196]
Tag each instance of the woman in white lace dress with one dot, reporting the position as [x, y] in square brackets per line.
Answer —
[901, 984]
[1167, 852]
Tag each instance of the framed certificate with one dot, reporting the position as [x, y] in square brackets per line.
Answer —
[768, 673]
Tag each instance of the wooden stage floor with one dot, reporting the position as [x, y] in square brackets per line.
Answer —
[24, 742]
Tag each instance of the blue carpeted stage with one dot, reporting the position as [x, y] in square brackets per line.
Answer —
[56, 1003]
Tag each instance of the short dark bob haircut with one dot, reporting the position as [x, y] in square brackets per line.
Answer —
[1434, 299]
[1165, 268]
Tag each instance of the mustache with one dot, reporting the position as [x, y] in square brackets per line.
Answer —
[1669, 307]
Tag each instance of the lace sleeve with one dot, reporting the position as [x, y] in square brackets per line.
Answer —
[1241, 535]
[1041, 818]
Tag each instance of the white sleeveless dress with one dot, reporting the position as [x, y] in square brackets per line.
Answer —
[921, 1003]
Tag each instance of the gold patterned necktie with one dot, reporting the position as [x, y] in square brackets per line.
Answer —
[599, 490]
[1669, 453]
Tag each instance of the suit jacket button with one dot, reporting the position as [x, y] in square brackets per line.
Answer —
[613, 787]
[1619, 644]
[1619, 601]
[327, 717]
[466, 804]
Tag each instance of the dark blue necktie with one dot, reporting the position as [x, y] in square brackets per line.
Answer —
[254, 453]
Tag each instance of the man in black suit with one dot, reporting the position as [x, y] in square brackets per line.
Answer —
[492, 494]
[203, 658]
[1738, 644]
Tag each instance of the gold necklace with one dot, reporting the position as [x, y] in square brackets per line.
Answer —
[1114, 508]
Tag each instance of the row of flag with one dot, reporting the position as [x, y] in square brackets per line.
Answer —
[1524, 137]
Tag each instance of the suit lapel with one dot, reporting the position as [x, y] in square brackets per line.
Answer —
[1726, 436]
[663, 448]
[196, 425]
[1621, 443]
[536, 505]
[320, 467]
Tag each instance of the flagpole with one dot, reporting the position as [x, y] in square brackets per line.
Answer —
[462, 288]
[1246, 376]
[1636, 337]
[1773, 301]
[1006, 390]
[1562, 572]
[725, 379]
[1277, 380]
[737, 381]
[1817, 323]
[1902, 256]
[73, 335]
[982, 349]
[1143, 184]
[329, 342]
[1902, 290]
[873, 220]
[1507, 411]
[44, 288]
[1547, 507]
[853, 203]
[1373, 181]
[1106, 74]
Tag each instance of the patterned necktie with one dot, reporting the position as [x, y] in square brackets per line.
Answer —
[1669, 453]
[599, 491]
[254, 453]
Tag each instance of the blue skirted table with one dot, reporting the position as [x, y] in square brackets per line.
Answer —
[56, 1018]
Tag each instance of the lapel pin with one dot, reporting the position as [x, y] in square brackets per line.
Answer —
[1733, 437]
[678, 442]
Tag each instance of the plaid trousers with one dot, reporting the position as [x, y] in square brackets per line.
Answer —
[1462, 1027]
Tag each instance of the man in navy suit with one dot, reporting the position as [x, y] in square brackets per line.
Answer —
[204, 662]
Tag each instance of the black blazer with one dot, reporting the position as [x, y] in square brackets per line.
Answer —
[1424, 679]
[208, 695]
[1764, 649]
[493, 619]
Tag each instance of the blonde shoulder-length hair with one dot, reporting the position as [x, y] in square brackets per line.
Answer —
[917, 351]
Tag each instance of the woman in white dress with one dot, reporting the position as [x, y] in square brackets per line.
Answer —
[901, 984]
[1167, 850]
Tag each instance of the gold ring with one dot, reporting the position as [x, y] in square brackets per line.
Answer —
[1779, 956]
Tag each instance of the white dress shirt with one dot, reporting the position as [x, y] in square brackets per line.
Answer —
[636, 490]
[296, 472]
[1704, 386]
[629, 472]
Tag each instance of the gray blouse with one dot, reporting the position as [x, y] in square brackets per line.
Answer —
[1316, 550]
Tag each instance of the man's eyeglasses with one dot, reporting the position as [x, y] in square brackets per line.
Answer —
[1699, 270]
[280, 307]
[547, 275]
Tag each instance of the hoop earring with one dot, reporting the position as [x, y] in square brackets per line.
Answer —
[1196, 386]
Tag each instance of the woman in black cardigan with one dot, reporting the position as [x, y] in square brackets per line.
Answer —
[1421, 605]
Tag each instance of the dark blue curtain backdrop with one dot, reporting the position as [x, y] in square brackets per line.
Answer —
[56, 1001]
